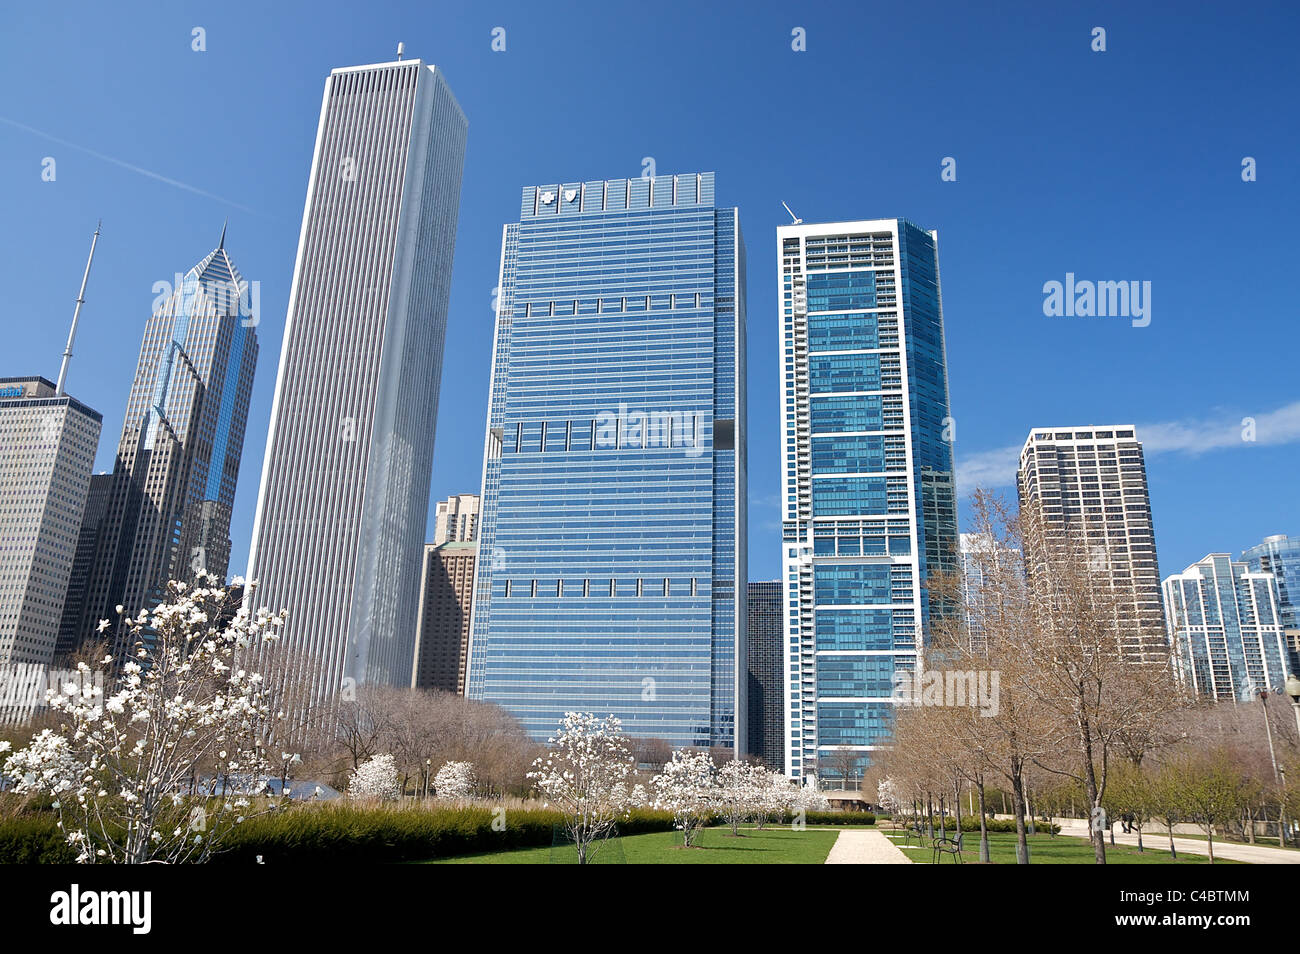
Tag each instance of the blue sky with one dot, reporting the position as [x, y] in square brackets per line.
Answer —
[1122, 165]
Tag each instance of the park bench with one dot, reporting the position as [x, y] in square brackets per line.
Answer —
[914, 830]
[945, 845]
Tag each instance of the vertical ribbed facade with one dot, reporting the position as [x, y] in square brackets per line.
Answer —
[612, 566]
[343, 501]
[173, 485]
[1225, 629]
[868, 502]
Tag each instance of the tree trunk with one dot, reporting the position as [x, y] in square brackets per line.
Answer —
[984, 831]
[1094, 790]
[1018, 800]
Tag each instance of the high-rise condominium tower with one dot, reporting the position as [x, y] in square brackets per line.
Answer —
[1280, 555]
[457, 519]
[173, 486]
[869, 508]
[47, 448]
[1088, 485]
[612, 545]
[1225, 629]
[344, 496]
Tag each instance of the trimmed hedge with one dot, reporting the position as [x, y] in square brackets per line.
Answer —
[837, 818]
[34, 840]
[334, 833]
[347, 833]
[992, 825]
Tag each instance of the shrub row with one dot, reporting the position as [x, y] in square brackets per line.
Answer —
[972, 823]
[837, 818]
[349, 833]
[33, 840]
[333, 833]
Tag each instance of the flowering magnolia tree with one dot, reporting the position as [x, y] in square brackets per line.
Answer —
[688, 788]
[740, 792]
[455, 780]
[586, 777]
[889, 796]
[376, 778]
[164, 765]
[774, 797]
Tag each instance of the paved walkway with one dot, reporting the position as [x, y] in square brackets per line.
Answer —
[1158, 840]
[859, 846]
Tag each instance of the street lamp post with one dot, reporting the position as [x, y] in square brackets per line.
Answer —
[1278, 774]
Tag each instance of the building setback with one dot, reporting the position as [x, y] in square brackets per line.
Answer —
[766, 681]
[170, 496]
[867, 483]
[612, 577]
[1089, 484]
[47, 449]
[344, 495]
[442, 639]
[1225, 629]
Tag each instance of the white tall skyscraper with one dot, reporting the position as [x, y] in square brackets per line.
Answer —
[869, 508]
[344, 497]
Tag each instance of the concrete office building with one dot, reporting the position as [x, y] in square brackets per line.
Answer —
[47, 449]
[344, 496]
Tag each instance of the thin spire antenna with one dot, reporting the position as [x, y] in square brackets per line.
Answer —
[797, 220]
[401, 48]
[76, 313]
[222, 243]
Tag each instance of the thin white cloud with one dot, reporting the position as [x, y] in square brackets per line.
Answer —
[126, 165]
[1219, 431]
[991, 468]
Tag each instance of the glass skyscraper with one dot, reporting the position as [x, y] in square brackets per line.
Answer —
[612, 563]
[167, 513]
[1280, 555]
[344, 497]
[869, 506]
[1225, 629]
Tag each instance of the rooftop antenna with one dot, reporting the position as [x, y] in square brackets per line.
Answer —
[797, 220]
[401, 48]
[76, 314]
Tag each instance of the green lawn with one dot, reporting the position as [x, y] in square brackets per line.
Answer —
[714, 846]
[1061, 850]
